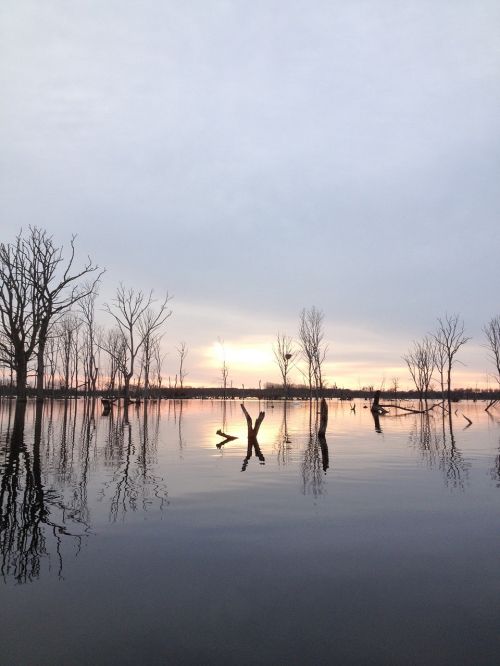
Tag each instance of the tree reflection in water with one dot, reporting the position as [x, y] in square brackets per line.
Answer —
[434, 436]
[133, 450]
[283, 441]
[316, 457]
[252, 434]
[34, 518]
[47, 455]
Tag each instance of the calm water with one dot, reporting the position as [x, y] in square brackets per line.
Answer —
[142, 542]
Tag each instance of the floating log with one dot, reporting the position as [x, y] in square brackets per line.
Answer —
[227, 438]
[412, 411]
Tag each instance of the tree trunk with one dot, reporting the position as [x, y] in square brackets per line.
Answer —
[323, 421]
[21, 379]
[126, 388]
[40, 361]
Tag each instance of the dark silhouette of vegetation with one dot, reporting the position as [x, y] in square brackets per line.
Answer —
[285, 354]
[449, 338]
[312, 346]
[136, 321]
[421, 362]
[37, 286]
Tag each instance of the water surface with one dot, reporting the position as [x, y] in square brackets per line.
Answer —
[131, 539]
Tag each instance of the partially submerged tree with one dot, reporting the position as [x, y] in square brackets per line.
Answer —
[158, 358]
[90, 342]
[57, 287]
[421, 361]
[136, 319]
[68, 330]
[449, 339]
[284, 353]
[113, 344]
[224, 370]
[492, 333]
[182, 350]
[36, 286]
[20, 311]
[313, 348]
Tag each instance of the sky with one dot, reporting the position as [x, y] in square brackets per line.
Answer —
[254, 158]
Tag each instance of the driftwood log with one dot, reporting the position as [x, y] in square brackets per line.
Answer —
[227, 438]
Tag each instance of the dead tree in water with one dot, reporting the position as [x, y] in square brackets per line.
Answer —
[135, 319]
[182, 350]
[253, 431]
[284, 354]
[492, 332]
[323, 422]
[421, 361]
[224, 369]
[449, 338]
[313, 348]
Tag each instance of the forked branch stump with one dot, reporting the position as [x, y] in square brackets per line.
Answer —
[253, 430]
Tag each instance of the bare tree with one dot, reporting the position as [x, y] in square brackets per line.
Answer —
[492, 332]
[135, 319]
[20, 313]
[53, 353]
[158, 358]
[450, 338]
[313, 348]
[57, 288]
[67, 330]
[113, 344]
[90, 347]
[183, 351]
[421, 361]
[441, 360]
[285, 354]
[152, 339]
[224, 368]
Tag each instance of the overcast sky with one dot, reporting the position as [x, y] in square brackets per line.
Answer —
[257, 157]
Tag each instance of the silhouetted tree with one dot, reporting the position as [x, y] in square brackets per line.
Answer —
[113, 343]
[135, 319]
[285, 354]
[158, 358]
[421, 361]
[37, 287]
[182, 350]
[20, 310]
[90, 342]
[312, 346]
[224, 368]
[450, 338]
[67, 330]
[492, 332]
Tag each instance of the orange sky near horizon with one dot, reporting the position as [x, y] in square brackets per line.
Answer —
[251, 361]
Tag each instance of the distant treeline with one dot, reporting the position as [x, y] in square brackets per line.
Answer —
[267, 393]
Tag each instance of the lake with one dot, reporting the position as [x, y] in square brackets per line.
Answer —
[133, 538]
